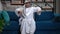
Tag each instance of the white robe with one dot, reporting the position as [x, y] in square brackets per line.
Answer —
[28, 24]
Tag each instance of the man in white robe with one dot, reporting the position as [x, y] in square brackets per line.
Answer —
[28, 25]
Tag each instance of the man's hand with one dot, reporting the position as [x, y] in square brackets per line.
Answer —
[20, 13]
[39, 11]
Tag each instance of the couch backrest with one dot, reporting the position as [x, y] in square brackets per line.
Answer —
[12, 16]
[46, 15]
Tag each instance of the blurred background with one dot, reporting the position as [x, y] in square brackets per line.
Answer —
[47, 23]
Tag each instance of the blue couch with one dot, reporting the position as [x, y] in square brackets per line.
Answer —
[13, 27]
[44, 24]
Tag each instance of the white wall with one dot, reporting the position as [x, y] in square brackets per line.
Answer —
[0, 6]
[58, 6]
[11, 7]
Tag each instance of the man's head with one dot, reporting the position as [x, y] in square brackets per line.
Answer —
[27, 4]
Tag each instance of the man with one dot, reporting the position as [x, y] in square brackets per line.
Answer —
[28, 25]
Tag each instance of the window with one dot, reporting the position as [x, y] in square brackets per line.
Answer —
[17, 2]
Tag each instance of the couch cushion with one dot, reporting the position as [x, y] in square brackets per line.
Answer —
[47, 25]
[14, 26]
[47, 32]
[47, 15]
[10, 32]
